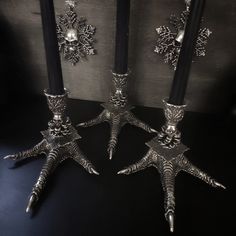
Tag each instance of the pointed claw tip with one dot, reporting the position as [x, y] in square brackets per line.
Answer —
[170, 219]
[220, 185]
[28, 209]
[30, 203]
[8, 157]
[95, 172]
[110, 154]
[154, 131]
[80, 125]
[121, 172]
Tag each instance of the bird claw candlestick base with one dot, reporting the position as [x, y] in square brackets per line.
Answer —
[75, 37]
[117, 112]
[169, 43]
[58, 144]
[166, 154]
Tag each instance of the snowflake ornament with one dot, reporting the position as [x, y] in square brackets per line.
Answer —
[169, 42]
[75, 37]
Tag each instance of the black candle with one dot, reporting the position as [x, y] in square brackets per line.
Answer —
[180, 81]
[55, 79]
[122, 36]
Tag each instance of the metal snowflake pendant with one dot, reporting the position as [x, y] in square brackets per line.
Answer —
[75, 37]
[169, 42]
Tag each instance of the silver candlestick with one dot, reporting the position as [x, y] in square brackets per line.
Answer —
[166, 154]
[75, 37]
[117, 112]
[58, 144]
[169, 43]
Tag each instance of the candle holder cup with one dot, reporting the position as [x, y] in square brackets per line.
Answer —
[58, 144]
[117, 112]
[166, 154]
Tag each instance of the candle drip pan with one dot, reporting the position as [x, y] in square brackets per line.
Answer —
[58, 144]
[166, 154]
[117, 112]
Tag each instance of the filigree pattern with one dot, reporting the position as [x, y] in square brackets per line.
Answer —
[75, 37]
[117, 112]
[169, 134]
[119, 97]
[58, 144]
[169, 160]
[169, 42]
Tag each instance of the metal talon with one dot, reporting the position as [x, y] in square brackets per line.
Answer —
[80, 124]
[94, 171]
[31, 202]
[110, 154]
[122, 172]
[154, 131]
[170, 219]
[219, 185]
[9, 157]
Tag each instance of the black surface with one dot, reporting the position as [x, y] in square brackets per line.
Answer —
[181, 76]
[76, 203]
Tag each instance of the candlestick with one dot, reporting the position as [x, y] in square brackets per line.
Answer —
[166, 154]
[59, 143]
[117, 111]
[55, 79]
[185, 58]
[122, 36]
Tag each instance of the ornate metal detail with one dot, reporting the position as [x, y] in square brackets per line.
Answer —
[117, 113]
[75, 37]
[58, 144]
[170, 135]
[169, 160]
[119, 98]
[169, 42]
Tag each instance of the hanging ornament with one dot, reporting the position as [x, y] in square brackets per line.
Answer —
[75, 37]
[169, 42]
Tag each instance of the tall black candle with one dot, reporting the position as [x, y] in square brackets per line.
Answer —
[180, 81]
[55, 78]
[122, 36]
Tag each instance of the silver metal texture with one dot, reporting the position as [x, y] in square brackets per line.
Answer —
[169, 135]
[166, 154]
[169, 41]
[117, 112]
[75, 37]
[58, 144]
